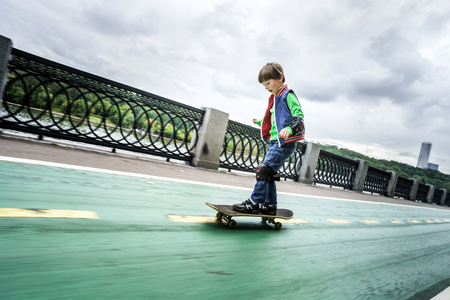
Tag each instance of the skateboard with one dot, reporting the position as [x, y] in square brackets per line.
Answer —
[226, 212]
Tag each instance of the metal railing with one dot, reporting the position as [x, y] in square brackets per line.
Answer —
[50, 99]
[376, 181]
[335, 170]
[403, 188]
[422, 192]
[447, 199]
[244, 150]
[437, 196]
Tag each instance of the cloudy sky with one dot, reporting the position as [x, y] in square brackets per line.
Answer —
[372, 76]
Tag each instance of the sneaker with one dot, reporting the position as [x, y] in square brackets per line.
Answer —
[267, 209]
[248, 206]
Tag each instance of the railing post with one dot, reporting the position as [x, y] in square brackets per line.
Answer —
[444, 196]
[210, 139]
[360, 176]
[390, 192]
[309, 162]
[5, 53]
[430, 193]
[414, 189]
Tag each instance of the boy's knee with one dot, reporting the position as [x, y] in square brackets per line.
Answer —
[265, 173]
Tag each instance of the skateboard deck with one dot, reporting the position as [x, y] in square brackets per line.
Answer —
[226, 212]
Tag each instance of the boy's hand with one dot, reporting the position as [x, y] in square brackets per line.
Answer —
[254, 121]
[284, 134]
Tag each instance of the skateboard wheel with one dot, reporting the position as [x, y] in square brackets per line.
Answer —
[219, 216]
[278, 225]
[232, 224]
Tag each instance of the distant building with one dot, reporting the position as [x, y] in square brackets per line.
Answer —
[433, 166]
[424, 155]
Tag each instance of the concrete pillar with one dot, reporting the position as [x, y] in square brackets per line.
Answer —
[309, 162]
[414, 188]
[430, 193]
[360, 176]
[5, 53]
[444, 196]
[390, 192]
[210, 139]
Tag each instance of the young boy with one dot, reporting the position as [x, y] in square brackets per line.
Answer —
[282, 126]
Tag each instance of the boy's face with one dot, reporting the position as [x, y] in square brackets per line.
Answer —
[273, 85]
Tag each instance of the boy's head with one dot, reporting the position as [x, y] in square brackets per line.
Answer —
[270, 71]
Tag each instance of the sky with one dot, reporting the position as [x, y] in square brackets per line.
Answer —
[371, 76]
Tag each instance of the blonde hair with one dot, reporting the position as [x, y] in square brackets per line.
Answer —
[271, 70]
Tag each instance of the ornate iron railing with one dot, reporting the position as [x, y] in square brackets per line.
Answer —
[50, 99]
[447, 199]
[422, 192]
[335, 170]
[437, 196]
[403, 188]
[244, 150]
[376, 181]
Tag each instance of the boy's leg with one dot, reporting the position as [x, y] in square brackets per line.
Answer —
[260, 191]
[275, 159]
[264, 193]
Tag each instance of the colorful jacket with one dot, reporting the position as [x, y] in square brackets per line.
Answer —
[283, 118]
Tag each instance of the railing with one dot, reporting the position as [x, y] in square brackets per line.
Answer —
[422, 192]
[376, 181]
[437, 196]
[403, 188]
[447, 200]
[335, 170]
[244, 150]
[47, 98]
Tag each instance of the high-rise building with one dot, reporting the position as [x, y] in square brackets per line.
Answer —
[424, 155]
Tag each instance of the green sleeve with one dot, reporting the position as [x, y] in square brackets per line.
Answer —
[295, 108]
[294, 105]
[258, 122]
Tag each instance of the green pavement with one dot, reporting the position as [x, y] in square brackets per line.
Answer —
[136, 249]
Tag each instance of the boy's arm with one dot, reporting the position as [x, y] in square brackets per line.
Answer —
[296, 124]
[257, 122]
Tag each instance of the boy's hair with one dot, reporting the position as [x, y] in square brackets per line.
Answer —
[271, 70]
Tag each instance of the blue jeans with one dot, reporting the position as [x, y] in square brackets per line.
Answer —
[265, 192]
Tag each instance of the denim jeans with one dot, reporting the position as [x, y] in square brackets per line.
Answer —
[266, 192]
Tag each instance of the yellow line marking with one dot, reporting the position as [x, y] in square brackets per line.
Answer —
[203, 219]
[293, 221]
[192, 219]
[395, 221]
[429, 221]
[438, 221]
[47, 213]
[338, 221]
[370, 221]
[414, 221]
[448, 221]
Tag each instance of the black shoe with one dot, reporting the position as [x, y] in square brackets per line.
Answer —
[248, 206]
[267, 209]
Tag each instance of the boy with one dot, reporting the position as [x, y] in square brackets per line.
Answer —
[282, 126]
